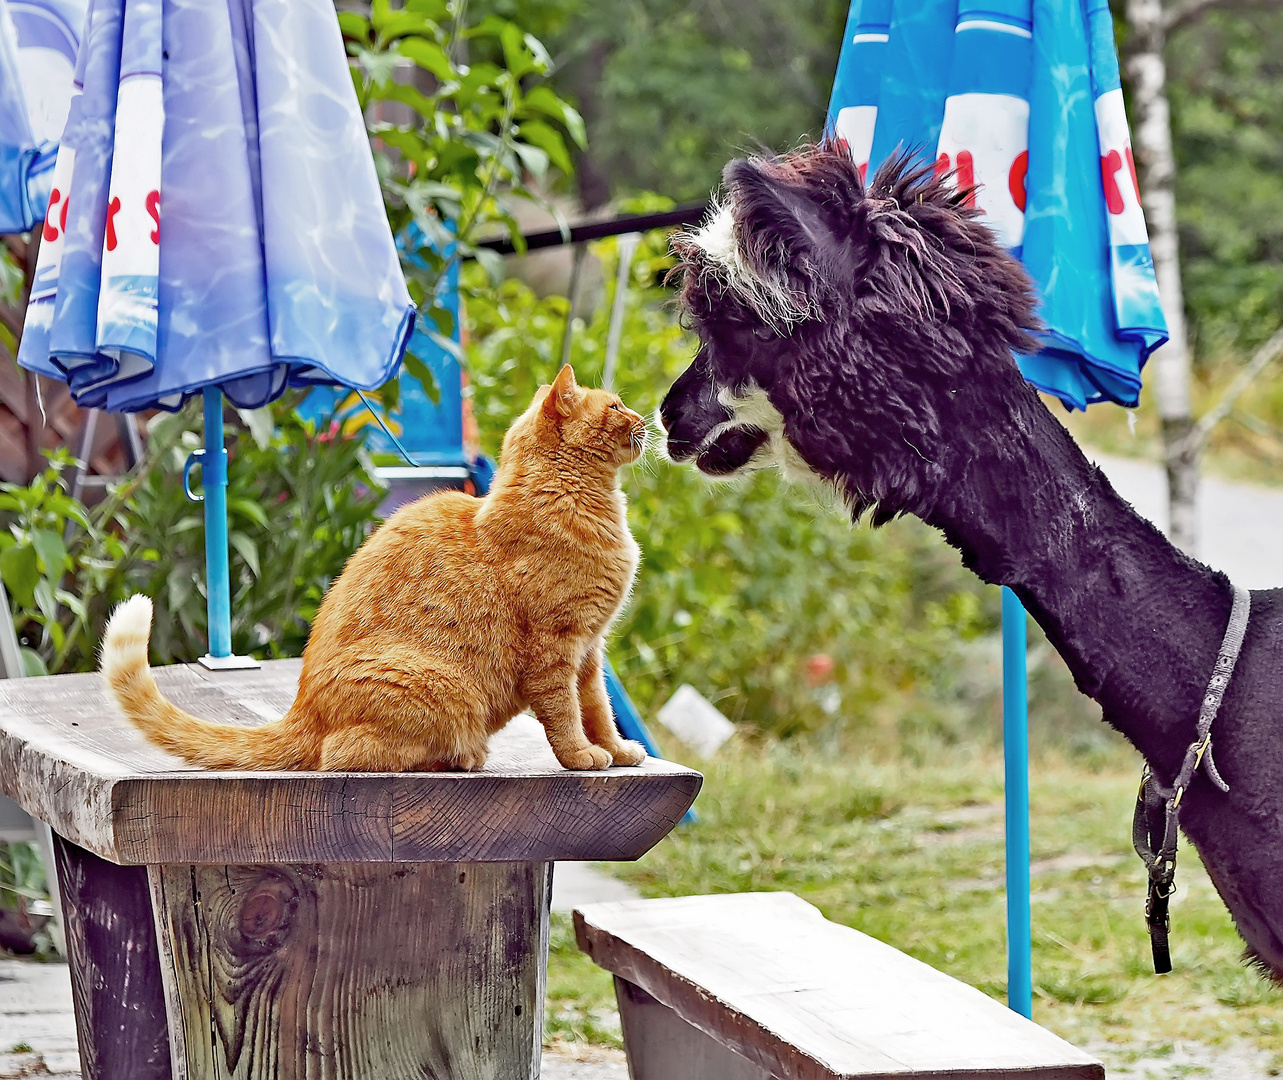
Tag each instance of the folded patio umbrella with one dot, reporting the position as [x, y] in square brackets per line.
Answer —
[220, 226]
[38, 44]
[1021, 98]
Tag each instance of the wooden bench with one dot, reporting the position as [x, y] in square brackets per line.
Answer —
[300, 925]
[756, 986]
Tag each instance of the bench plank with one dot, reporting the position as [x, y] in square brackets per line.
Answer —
[766, 975]
[70, 759]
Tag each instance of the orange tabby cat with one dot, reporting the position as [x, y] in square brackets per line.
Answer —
[454, 616]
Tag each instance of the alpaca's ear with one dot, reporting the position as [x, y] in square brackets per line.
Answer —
[778, 227]
[561, 395]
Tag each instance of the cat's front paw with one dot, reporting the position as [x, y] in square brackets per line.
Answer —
[589, 757]
[628, 753]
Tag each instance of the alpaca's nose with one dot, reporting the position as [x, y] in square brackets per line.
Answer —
[690, 410]
[683, 439]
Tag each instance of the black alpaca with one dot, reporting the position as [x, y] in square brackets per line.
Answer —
[866, 338]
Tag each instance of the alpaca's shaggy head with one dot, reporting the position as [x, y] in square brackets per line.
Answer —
[844, 333]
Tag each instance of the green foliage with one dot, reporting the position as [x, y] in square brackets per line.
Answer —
[673, 88]
[1226, 89]
[22, 874]
[449, 135]
[742, 584]
[58, 561]
[580, 1006]
[299, 503]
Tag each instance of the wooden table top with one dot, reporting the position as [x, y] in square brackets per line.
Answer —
[70, 759]
[767, 975]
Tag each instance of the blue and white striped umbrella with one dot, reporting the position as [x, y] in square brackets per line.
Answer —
[1023, 99]
[38, 44]
[271, 263]
[215, 225]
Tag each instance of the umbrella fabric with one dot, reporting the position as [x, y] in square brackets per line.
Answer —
[272, 262]
[17, 144]
[38, 44]
[429, 426]
[1022, 99]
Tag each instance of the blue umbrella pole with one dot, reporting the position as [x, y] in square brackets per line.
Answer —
[1015, 744]
[218, 589]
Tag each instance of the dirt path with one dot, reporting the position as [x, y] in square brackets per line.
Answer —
[1240, 525]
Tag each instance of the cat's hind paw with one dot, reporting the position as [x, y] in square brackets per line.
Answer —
[470, 762]
[588, 757]
[628, 753]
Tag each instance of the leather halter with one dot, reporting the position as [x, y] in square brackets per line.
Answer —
[1158, 808]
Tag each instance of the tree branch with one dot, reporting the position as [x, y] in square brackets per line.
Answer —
[1188, 11]
[1265, 355]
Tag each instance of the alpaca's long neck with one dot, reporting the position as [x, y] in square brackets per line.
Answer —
[1138, 622]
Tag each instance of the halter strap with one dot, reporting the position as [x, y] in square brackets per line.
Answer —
[1154, 823]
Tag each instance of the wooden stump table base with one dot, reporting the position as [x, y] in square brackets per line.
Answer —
[115, 967]
[354, 970]
[347, 971]
[307, 926]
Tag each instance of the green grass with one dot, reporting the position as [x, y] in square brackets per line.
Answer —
[912, 853]
[581, 996]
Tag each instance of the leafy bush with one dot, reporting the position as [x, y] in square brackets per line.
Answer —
[57, 560]
[299, 503]
[476, 120]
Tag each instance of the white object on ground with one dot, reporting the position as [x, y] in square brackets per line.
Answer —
[695, 720]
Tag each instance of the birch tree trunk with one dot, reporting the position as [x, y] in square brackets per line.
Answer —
[1156, 165]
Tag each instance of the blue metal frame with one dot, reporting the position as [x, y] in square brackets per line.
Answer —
[1015, 742]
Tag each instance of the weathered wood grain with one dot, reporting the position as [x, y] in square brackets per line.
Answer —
[767, 976]
[355, 972]
[115, 968]
[70, 759]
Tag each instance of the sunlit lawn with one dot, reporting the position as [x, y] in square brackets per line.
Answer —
[913, 854]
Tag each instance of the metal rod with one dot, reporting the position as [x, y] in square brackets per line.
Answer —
[627, 249]
[133, 441]
[576, 273]
[689, 214]
[1015, 744]
[84, 451]
[218, 589]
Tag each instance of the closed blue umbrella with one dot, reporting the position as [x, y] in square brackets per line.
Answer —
[1021, 101]
[224, 229]
[39, 40]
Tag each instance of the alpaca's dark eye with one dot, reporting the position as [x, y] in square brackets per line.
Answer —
[764, 333]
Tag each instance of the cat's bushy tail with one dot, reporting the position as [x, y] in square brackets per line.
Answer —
[215, 746]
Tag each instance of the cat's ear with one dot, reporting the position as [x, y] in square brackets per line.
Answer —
[561, 395]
